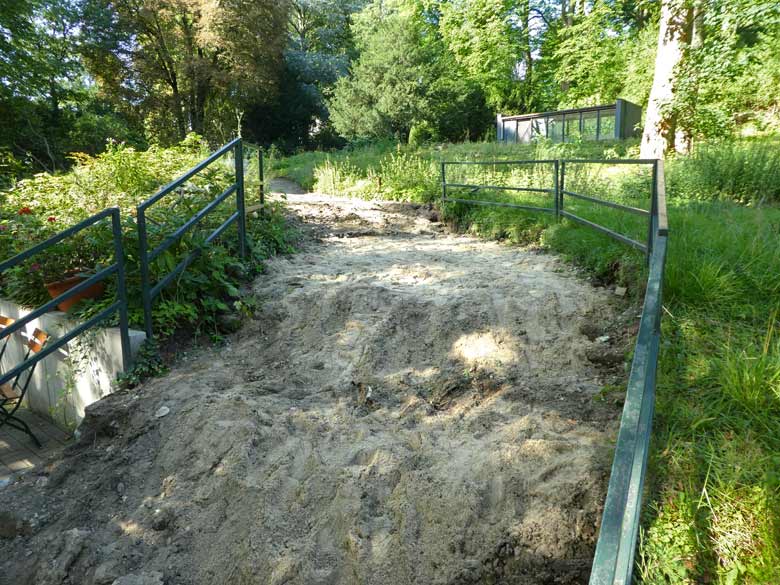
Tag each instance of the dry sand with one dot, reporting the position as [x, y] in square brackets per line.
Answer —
[408, 406]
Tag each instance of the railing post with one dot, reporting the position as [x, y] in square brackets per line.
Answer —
[261, 172]
[653, 213]
[121, 285]
[239, 156]
[557, 192]
[562, 186]
[443, 182]
[146, 294]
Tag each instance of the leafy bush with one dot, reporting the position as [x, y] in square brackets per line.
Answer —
[40, 207]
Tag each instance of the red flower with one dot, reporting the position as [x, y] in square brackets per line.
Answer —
[3, 227]
[35, 268]
[51, 219]
[25, 211]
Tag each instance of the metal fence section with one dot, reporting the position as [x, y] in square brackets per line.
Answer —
[119, 306]
[248, 147]
[613, 562]
[645, 247]
[149, 291]
[553, 190]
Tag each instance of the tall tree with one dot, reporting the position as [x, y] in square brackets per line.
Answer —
[404, 78]
[673, 37]
[181, 59]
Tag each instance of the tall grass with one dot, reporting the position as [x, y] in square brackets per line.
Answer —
[746, 171]
[712, 512]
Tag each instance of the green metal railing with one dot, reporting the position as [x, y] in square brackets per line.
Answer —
[151, 291]
[248, 146]
[472, 188]
[613, 561]
[119, 306]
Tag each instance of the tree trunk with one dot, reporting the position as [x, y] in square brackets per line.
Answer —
[673, 37]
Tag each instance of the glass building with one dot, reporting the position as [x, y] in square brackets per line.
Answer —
[612, 122]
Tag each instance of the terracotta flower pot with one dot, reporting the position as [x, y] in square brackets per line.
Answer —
[57, 288]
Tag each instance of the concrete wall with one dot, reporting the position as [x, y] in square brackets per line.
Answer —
[77, 374]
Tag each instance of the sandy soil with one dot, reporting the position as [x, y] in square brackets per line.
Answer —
[408, 406]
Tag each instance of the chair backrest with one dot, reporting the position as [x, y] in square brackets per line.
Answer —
[4, 322]
[34, 344]
[37, 341]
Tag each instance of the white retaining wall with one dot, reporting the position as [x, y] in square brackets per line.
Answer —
[76, 375]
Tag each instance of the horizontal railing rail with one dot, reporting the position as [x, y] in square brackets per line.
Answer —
[149, 291]
[118, 307]
[645, 247]
[473, 188]
[613, 561]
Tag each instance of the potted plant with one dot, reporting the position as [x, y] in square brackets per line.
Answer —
[66, 265]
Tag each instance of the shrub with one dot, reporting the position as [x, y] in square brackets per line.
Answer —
[38, 208]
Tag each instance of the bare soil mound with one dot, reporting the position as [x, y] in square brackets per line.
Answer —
[407, 407]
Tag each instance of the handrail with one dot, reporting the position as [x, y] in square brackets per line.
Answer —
[613, 561]
[554, 190]
[148, 291]
[120, 306]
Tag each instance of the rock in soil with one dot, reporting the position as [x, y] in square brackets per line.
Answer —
[410, 407]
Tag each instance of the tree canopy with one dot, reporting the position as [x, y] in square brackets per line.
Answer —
[316, 73]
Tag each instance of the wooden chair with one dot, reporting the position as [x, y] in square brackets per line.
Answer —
[12, 393]
[4, 322]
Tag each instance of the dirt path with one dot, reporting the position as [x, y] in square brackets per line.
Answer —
[407, 407]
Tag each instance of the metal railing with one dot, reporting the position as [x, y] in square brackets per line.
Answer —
[554, 190]
[148, 291]
[119, 306]
[613, 561]
[646, 247]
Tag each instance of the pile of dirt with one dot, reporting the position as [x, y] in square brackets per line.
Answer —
[408, 406]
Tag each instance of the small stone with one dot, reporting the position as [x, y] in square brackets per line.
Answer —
[153, 578]
[603, 339]
[162, 519]
[42, 481]
[120, 488]
[106, 573]
[621, 291]
[229, 322]
[162, 411]
[11, 526]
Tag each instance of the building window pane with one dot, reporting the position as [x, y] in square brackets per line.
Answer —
[555, 128]
[589, 125]
[539, 128]
[572, 127]
[607, 126]
[524, 131]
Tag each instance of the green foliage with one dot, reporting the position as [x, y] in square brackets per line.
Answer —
[402, 78]
[487, 44]
[147, 364]
[733, 62]
[746, 171]
[591, 58]
[39, 207]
